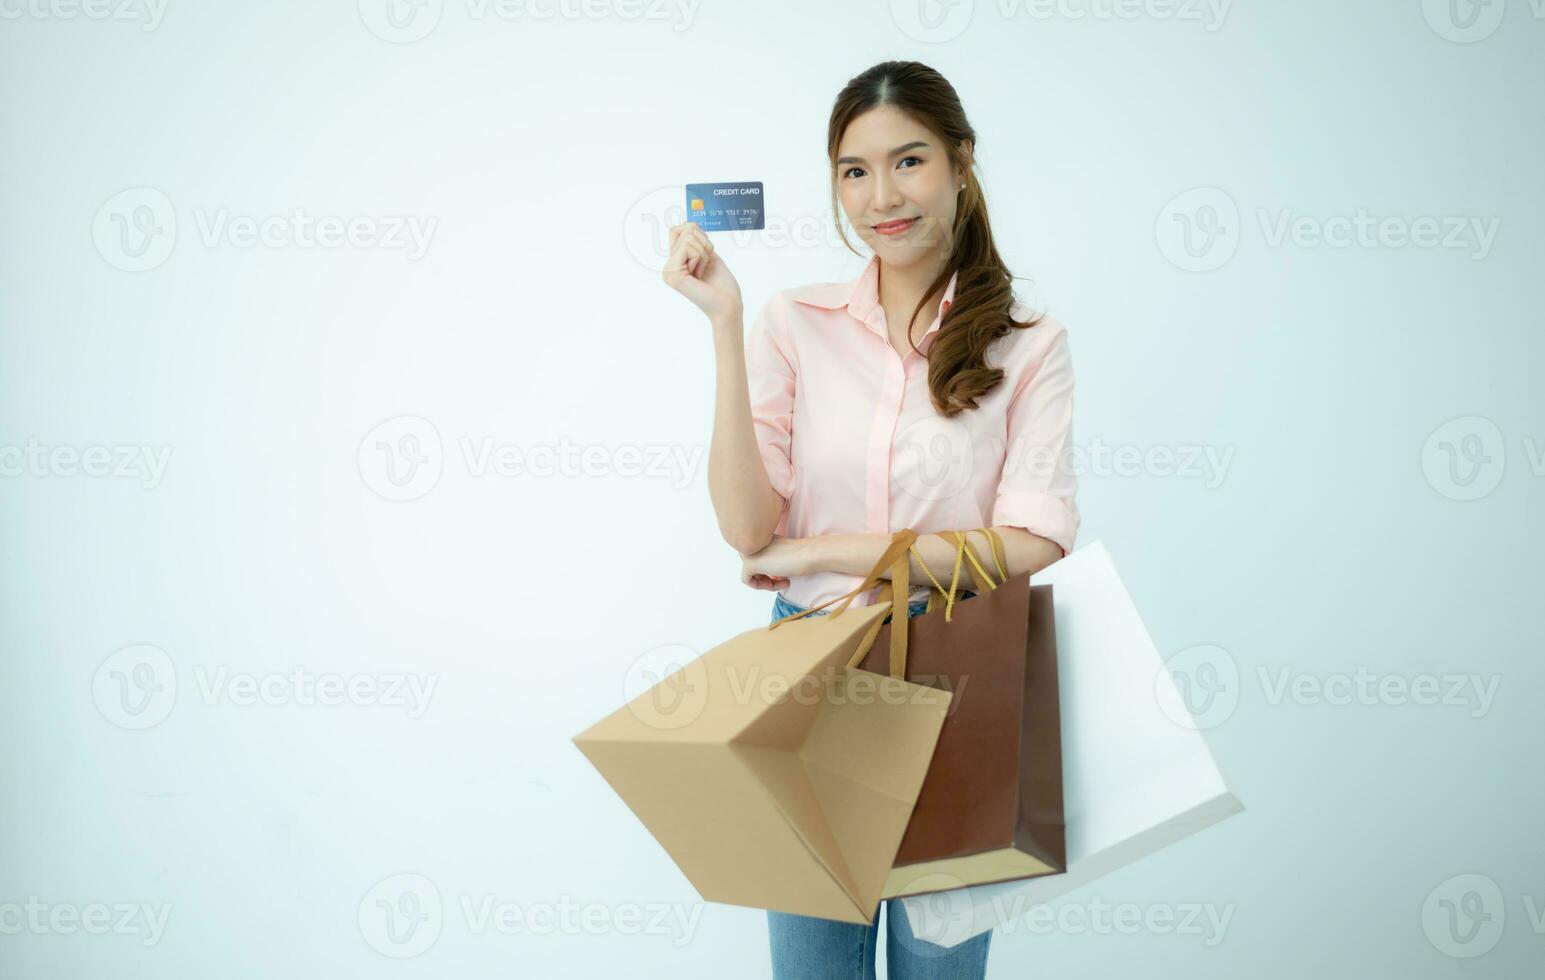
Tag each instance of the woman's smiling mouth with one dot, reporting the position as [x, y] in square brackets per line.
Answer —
[895, 227]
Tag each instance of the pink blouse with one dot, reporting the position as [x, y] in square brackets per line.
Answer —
[851, 440]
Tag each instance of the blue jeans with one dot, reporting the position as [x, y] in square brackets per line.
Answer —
[783, 607]
[807, 948]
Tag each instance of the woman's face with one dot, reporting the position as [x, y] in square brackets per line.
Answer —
[892, 169]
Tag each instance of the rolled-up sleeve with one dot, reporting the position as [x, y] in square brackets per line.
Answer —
[1037, 487]
[770, 372]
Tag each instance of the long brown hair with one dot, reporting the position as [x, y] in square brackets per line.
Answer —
[958, 373]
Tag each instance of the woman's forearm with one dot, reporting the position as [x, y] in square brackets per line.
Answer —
[744, 501]
[855, 554]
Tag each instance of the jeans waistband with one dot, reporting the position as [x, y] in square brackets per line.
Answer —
[783, 607]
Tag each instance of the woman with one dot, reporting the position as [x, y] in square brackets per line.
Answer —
[920, 395]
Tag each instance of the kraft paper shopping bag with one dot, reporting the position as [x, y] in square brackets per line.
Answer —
[773, 775]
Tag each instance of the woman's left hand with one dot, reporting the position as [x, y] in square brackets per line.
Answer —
[771, 567]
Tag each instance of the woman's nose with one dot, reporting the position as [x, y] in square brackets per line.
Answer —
[886, 195]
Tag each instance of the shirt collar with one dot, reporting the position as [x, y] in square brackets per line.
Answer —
[861, 297]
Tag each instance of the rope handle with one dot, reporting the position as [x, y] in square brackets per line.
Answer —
[894, 559]
[980, 575]
[895, 553]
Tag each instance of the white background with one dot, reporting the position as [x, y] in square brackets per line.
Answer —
[545, 154]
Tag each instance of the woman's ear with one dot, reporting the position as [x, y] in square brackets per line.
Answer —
[965, 162]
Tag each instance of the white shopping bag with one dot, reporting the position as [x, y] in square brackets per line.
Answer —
[1137, 775]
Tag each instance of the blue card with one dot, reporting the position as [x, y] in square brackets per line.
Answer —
[734, 206]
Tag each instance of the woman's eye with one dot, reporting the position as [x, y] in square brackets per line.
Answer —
[859, 170]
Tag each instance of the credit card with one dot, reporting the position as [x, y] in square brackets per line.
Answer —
[735, 206]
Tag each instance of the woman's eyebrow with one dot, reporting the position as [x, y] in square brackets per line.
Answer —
[894, 153]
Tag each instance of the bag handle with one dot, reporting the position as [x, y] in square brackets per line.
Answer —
[900, 585]
[979, 574]
[894, 559]
[894, 555]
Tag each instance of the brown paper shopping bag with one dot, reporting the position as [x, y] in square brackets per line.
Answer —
[991, 806]
[774, 776]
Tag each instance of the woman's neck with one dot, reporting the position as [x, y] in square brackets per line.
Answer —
[900, 288]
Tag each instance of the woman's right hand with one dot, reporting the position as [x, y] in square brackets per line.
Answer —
[699, 273]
